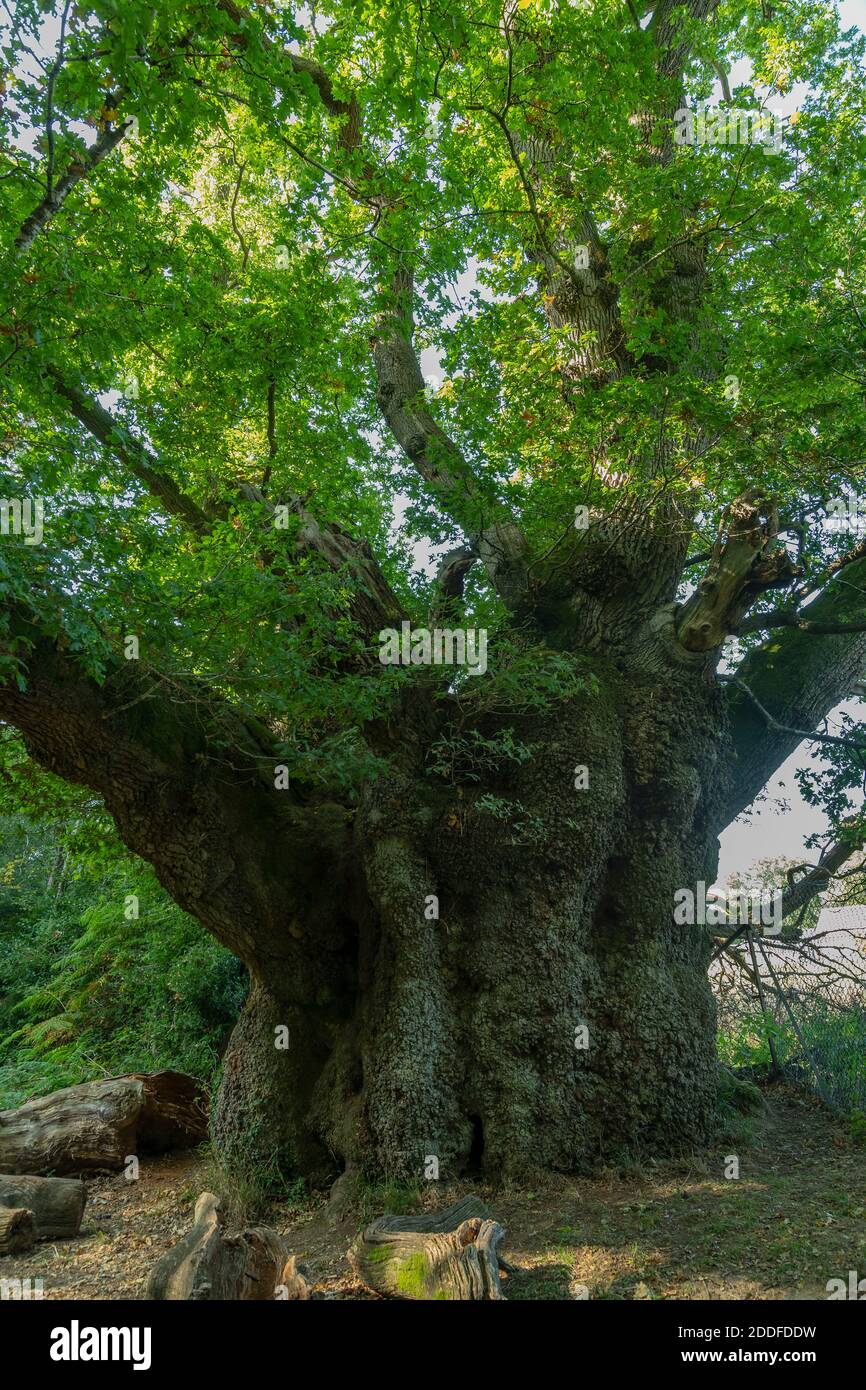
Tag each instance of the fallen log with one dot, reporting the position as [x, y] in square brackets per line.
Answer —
[17, 1230]
[57, 1204]
[208, 1265]
[100, 1124]
[447, 1255]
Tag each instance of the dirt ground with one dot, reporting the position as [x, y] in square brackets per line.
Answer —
[795, 1218]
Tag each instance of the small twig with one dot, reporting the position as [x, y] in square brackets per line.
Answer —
[787, 728]
[52, 78]
[232, 213]
[790, 617]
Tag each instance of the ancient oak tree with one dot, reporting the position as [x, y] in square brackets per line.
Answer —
[430, 315]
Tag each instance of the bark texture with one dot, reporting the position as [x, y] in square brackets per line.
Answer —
[460, 1038]
[17, 1230]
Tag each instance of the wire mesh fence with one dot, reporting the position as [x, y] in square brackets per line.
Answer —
[797, 1008]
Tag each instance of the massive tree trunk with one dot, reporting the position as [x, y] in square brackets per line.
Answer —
[459, 1038]
[452, 974]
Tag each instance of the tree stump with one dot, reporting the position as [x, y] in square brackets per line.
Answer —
[102, 1123]
[448, 1255]
[208, 1265]
[292, 1284]
[57, 1204]
[17, 1230]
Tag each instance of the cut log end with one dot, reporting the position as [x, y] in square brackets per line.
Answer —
[293, 1283]
[57, 1204]
[17, 1230]
[449, 1255]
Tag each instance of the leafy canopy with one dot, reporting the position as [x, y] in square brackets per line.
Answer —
[218, 278]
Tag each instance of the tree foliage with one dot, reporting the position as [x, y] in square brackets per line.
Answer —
[228, 263]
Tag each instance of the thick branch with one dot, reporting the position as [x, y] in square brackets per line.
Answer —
[489, 529]
[139, 460]
[818, 879]
[809, 585]
[453, 569]
[796, 678]
[808, 737]
[189, 782]
[78, 169]
[792, 617]
[373, 603]
[745, 561]
[350, 133]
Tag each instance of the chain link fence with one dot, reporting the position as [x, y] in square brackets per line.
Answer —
[796, 1008]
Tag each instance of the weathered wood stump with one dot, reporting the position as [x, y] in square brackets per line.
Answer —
[292, 1283]
[100, 1124]
[17, 1230]
[57, 1204]
[448, 1255]
[207, 1264]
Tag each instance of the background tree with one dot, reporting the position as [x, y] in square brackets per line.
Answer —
[236, 237]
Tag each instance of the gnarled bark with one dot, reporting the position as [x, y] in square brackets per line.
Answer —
[459, 1039]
